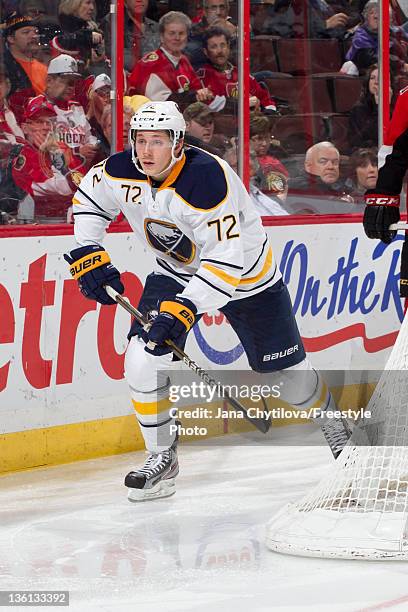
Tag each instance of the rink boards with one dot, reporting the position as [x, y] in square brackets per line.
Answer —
[62, 393]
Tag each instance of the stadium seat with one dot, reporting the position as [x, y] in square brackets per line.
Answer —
[263, 55]
[297, 133]
[306, 56]
[321, 99]
[346, 92]
[303, 94]
[338, 133]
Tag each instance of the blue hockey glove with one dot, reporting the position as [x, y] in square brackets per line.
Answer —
[175, 319]
[91, 267]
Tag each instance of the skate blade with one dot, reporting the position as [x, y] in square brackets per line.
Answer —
[164, 488]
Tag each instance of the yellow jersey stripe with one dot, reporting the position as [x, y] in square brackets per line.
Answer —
[150, 408]
[265, 269]
[77, 202]
[227, 278]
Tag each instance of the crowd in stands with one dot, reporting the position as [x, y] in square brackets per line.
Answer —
[313, 94]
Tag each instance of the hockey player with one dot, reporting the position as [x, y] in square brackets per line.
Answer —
[194, 213]
[382, 202]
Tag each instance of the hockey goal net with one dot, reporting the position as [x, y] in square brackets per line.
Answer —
[360, 509]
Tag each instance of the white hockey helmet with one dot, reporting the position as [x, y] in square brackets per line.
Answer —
[158, 116]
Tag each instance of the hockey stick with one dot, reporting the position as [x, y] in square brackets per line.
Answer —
[261, 424]
[399, 226]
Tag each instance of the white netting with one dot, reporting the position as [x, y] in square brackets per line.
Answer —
[360, 509]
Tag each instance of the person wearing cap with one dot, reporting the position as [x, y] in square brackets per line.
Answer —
[72, 127]
[200, 129]
[38, 169]
[221, 77]
[99, 99]
[27, 75]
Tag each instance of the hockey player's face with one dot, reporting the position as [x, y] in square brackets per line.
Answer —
[218, 50]
[174, 38]
[153, 150]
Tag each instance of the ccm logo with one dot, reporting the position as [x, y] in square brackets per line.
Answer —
[383, 201]
[288, 351]
[76, 268]
[404, 281]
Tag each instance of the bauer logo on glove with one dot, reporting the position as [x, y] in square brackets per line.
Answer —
[91, 266]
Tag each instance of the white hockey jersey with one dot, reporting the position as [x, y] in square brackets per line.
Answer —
[200, 224]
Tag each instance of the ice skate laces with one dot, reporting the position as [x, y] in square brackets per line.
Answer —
[155, 463]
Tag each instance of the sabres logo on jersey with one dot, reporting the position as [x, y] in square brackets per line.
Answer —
[169, 240]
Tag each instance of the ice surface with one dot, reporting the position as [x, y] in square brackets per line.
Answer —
[71, 527]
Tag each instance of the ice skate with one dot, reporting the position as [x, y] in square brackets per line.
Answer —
[157, 478]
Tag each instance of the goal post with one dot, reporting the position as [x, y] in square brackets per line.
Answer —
[360, 508]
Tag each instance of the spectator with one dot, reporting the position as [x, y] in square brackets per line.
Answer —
[299, 19]
[321, 173]
[9, 128]
[35, 168]
[141, 33]
[26, 74]
[265, 205]
[364, 48]
[134, 102]
[363, 121]
[221, 77]
[167, 70]
[215, 14]
[260, 140]
[11, 137]
[77, 144]
[81, 36]
[200, 129]
[106, 124]
[364, 169]
[99, 99]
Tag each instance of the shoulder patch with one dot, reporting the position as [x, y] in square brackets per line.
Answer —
[76, 177]
[202, 182]
[19, 162]
[150, 57]
[121, 166]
